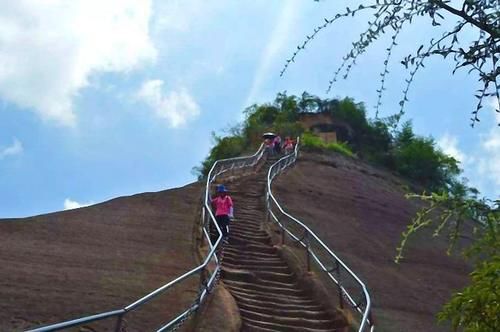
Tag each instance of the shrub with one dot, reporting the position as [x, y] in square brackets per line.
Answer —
[340, 147]
[225, 147]
[312, 142]
[418, 159]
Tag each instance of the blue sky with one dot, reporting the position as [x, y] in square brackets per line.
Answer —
[99, 100]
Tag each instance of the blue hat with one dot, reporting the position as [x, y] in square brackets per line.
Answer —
[221, 188]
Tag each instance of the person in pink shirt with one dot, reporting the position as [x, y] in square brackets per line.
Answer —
[277, 144]
[223, 205]
[288, 145]
[269, 144]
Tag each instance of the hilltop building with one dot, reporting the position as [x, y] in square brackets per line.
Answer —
[326, 126]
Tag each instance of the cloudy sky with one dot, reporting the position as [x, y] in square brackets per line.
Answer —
[100, 99]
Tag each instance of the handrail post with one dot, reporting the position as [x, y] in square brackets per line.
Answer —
[370, 318]
[308, 256]
[119, 321]
[283, 236]
[339, 286]
[202, 241]
[203, 277]
[268, 208]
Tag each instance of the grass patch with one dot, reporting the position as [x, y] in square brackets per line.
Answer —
[312, 142]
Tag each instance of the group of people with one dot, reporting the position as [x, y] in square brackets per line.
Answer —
[223, 203]
[275, 145]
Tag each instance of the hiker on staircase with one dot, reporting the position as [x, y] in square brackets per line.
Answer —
[288, 145]
[223, 205]
[277, 144]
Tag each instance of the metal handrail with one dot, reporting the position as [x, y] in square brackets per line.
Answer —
[219, 167]
[305, 239]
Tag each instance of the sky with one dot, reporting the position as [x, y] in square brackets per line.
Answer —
[100, 99]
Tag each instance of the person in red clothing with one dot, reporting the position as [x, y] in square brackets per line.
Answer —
[288, 145]
[269, 145]
[223, 205]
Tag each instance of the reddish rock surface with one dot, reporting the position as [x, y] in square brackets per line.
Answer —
[360, 212]
[68, 264]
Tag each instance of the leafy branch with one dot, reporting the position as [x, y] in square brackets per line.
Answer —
[482, 15]
[348, 12]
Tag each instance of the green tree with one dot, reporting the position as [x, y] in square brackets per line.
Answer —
[417, 158]
[224, 147]
[476, 307]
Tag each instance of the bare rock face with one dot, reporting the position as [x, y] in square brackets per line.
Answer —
[80, 262]
[69, 264]
[219, 313]
[360, 211]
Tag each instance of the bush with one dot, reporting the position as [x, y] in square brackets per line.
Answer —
[477, 306]
[340, 147]
[312, 142]
[225, 147]
[418, 159]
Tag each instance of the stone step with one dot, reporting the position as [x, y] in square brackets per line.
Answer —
[283, 327]
[283, 269]
[318, 314]
[274, 298]
[253, 247]
[285, 290]
[270, 304]
[267, 293]
[249, 238]
[252, 256]
[258, 276]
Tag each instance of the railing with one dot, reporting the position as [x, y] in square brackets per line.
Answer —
[349, 287]
[208, 276]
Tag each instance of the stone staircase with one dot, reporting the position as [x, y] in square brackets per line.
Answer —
[267, 293]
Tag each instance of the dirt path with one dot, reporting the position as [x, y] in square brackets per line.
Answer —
[266, 291]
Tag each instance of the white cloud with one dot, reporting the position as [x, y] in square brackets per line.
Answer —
[50, 49]
[177, 107]
[482, 164]
[176, 16]
[12, 150]
[494, 103]
[70, 204]
[449, 145]
[489, 156]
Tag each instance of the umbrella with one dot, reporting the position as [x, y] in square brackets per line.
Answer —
[269, 135]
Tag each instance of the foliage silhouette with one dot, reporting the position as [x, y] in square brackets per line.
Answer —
[480, 56]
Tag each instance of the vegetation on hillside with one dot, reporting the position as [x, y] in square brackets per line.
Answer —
[315, 143]
[376, 141]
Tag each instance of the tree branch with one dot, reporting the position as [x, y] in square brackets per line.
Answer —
[493, 32]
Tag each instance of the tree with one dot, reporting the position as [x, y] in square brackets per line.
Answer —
[476, 307]
[481, 56]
